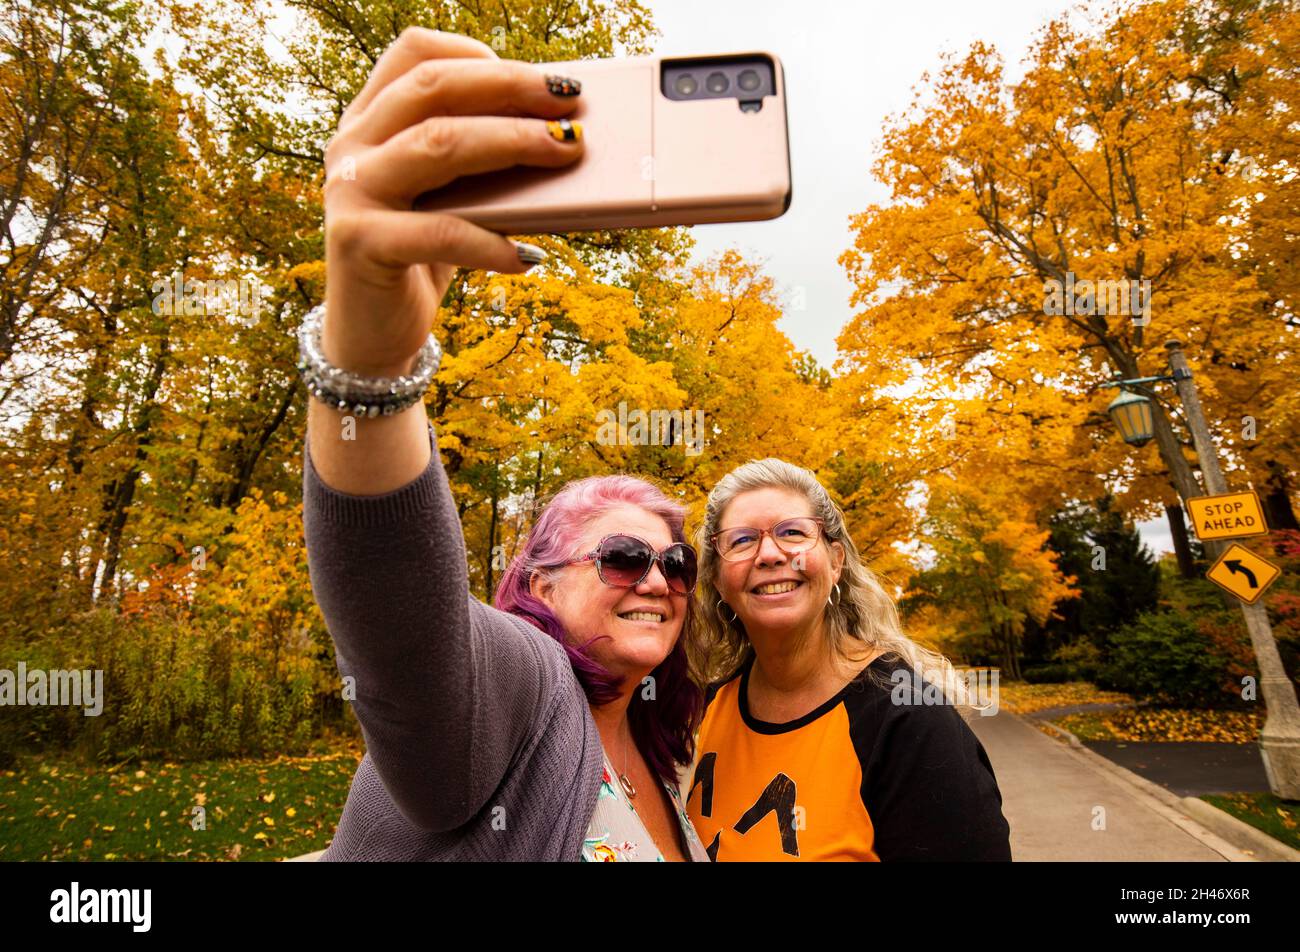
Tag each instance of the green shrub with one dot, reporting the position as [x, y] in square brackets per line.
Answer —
[1164, 657]
[178, 688]
[1047, 674]
[1079, 661]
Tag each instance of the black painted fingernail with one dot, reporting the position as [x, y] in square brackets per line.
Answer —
[529, 254]
[563, 85]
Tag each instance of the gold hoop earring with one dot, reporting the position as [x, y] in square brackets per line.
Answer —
[718, 611]
[838, 597]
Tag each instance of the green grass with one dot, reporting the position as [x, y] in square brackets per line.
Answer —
[1277, 818]
[63, 809]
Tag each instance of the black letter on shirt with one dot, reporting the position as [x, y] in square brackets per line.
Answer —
[779, 797]
[704, 775]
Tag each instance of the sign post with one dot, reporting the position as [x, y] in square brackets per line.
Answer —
[1279, 741]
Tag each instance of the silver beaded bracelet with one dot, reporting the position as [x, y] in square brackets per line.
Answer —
[352, 393]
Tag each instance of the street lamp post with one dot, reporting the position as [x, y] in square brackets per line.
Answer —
[1280, 739]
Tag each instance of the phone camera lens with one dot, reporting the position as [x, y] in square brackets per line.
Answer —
[686, 84]
[716, 83]
[748, 80]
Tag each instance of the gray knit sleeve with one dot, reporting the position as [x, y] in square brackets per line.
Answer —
[447, 689]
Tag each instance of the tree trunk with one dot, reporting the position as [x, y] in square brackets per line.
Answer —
[1178, 532]
[249, 458]
[1010, 661]
[120, 508]
[1276, 497]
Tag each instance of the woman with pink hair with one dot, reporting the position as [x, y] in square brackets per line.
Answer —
[552, 726]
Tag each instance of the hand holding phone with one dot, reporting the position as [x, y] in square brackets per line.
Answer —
[447, 143]
[437, 106]
[668, 142]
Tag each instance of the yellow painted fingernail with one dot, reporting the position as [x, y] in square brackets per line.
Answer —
[564, 130]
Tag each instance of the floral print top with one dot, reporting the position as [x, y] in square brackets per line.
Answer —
[616, 833]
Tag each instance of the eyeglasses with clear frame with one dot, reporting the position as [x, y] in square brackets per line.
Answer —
[791, 536]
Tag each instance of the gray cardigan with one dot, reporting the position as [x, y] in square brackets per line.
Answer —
[480, 744]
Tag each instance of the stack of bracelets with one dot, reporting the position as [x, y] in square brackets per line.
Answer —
[352, 393]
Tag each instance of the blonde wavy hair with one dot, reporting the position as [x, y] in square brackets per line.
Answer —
[862, 617]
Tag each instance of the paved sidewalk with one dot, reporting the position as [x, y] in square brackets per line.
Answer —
[1050, 792]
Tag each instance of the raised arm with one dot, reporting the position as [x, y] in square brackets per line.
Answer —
[446, 689]
[445, 686]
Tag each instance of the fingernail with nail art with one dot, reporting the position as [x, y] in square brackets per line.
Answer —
[529, 254]
[563, 85]
[564, 130]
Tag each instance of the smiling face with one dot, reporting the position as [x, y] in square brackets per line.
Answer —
[772, 592]
[643, 623]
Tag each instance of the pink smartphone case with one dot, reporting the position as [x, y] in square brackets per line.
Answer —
[649, 160]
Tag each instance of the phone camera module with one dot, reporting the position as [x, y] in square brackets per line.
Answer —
[746, 78]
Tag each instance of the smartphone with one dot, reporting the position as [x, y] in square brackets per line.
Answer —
[677, 141]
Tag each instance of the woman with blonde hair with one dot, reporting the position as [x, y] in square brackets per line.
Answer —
[812, 714]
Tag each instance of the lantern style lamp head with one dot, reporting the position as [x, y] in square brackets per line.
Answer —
[1132, 415]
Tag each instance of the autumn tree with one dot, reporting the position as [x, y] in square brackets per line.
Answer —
[132, 184]
[97, 200]
[1107, 162]
[992, 571]
[1249, 68]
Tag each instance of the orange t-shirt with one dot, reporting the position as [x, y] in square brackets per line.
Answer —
[868, 775]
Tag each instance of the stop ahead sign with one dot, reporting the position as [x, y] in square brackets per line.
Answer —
[1227, 516]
